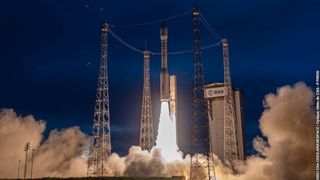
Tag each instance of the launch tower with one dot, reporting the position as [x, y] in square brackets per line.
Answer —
[100, 148]
[201, 162]
[146, 127]
[230, 140]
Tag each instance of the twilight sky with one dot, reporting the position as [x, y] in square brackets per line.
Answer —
[49, 56]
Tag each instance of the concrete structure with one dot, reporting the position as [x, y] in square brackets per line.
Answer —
[215, 94]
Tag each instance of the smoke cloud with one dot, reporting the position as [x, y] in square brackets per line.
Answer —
[286, 150]
[15, 131]
[58, 156]
[141, 163]
[288, 124]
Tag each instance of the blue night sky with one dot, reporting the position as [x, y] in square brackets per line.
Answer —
[49, 57]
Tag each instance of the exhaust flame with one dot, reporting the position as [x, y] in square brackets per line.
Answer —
[167, 135]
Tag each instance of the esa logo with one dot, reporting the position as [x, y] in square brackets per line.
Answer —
[215, 92]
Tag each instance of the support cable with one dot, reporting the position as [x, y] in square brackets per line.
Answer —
[209, 27]
[158, 53]
[189, 50]
[125, 43]
[154, 21]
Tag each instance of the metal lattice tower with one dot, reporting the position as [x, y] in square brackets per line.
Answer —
[201, 162]
[146, 127]
[100, 148]
[230, 146]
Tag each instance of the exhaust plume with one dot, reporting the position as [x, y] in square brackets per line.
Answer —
[141, 163]
[167, 136]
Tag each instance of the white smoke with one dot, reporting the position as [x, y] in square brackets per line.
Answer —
[163, 160]
[59, 155]
[15, 131]
[142, 163]
[288, 124]
[285, 153]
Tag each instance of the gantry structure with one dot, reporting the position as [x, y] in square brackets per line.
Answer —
[146, 141]
[100, 147]
[201, 163]
[230, 133]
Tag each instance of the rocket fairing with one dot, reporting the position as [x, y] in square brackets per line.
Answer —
[164, 75]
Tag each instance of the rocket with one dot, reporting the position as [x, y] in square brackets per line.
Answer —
[164, 75]
[168, 84]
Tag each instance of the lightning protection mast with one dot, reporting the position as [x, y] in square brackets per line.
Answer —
[201, 163]
[230, 139]
[146, 127]
[100, 148]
